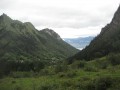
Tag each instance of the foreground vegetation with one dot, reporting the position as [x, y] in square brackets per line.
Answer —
[98, 74]
[79, 80]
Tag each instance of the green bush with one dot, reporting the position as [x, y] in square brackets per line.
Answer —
[61, 68]
[17, 87]
[103, 83]
[99, 83]
[22, 74]
[62, 74]
[48, 87]
[89, 85]
[71, 74]
[114, 59]
[102, 64]
[67, 83]
[91, 69]
[44, 72]
[78, 64]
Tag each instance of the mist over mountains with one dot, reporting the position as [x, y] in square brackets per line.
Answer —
[80, 42]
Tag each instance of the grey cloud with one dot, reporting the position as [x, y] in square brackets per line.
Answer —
[61, 17]
[58, 17]
[5, 4]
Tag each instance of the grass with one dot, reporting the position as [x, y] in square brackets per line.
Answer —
[95, 78]
[54, 82]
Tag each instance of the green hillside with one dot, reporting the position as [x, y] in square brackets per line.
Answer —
[22, 46]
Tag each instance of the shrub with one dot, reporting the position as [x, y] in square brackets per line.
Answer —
[114, 59]
[61, 68]
[61, 75]
[48, 86]
[90, 69]
[89, 86]
[99, 83]
[102, 64]
[22, 74]
[71, 74]
[44, 72]
[67, 83]
[78, 64]
[13, 82]
[103, 83]
[17, 87]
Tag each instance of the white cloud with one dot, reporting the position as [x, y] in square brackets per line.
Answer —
[69, 18]
[81, 32]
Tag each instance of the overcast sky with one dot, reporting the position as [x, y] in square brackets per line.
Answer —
[69, 18]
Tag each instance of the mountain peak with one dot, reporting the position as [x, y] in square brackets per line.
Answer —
[4, 15]
[4, 18]
[52, 33]
[116, 19]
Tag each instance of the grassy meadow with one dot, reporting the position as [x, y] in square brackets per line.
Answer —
[80, 75]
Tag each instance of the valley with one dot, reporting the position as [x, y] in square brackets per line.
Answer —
[32, 59]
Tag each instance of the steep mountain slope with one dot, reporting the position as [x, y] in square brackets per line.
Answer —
[80, 42]
[21, 41]
[108, 41]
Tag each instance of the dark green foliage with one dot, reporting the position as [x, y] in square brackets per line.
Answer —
[78, 64]
[114, 59]
[100, 83]
[48, 87]
[61, 68]
[103, 83]
[8, 66]
[102, 64]
[22, 74]
[70, 74]
[91, 69]
[24, 48]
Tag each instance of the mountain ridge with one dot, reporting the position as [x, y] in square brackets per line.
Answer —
[23, 39]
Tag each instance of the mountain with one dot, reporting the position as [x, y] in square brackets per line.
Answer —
[22, 41]
[108, 41]
[80, 42]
